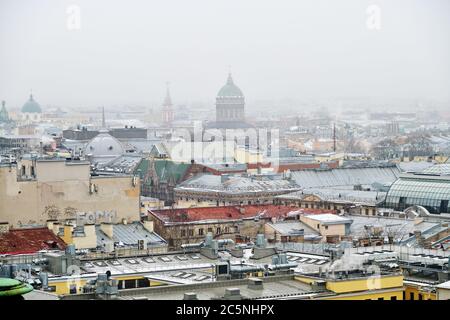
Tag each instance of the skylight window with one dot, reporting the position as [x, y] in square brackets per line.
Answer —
[200, 278]
[165, 259]
[132, 261]
[148, 260]
[115, 263]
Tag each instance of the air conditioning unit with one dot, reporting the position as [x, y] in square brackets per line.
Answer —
[142, 245]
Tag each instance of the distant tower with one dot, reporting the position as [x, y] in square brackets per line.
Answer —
[167, 110]
[334, 137]
[4, 117]
[230, 103]
[103, 118]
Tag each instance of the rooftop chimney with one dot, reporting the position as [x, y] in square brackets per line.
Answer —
[255, 284]
[148, 225]
[107, 228]
[232, 294]
[4, 227]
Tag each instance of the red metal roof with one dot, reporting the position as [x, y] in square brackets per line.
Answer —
[22, 241]
[230, 213]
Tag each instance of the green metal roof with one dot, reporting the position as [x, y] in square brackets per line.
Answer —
[12, 287]
[31, 106]
[165, 169]
[230, 89]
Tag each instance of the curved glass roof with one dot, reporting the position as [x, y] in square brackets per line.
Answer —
[440, 169]
[433, 194]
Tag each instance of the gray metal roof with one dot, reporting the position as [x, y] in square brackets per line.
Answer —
[338, 195]
[414, 166]
[399, 228]
[345, 177]
[292, 227]
[440, 169]
[274, 287]
[232, 184]
[128, 234]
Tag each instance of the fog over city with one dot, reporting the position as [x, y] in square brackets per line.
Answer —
[122, 53]
[226, 150]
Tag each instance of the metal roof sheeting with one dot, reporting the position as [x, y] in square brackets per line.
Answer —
[345, 177]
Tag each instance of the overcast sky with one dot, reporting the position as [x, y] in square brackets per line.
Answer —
[125, 51]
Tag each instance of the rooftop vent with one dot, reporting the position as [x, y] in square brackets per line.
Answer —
[190, 296]
[255, 284]
[232, 294]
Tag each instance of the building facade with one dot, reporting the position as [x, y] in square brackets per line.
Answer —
[35, 190]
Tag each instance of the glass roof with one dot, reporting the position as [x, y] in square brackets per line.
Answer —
[433, 194]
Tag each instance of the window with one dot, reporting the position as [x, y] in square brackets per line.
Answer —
[227, 229]
[402, 203]
[143, 283]
[394, 298]
[411, 296]
[326, 227]
[73, 289]
[183, 233]
[420, 296]
[306, 205]
[210, 230]
[381, 298]
[318, 226]
[191, 233]
[367, 212]
[200, 231]
[218, 230]
[130, 284]
[444, 206]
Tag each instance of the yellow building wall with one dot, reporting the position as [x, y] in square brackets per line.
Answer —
[416, 292]
[63, 287]
[24, 202]
[398, 294]
[362, 289]
[245, 156]
[183, 203]
[375, 283]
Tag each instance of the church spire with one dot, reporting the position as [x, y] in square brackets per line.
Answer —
[230, 78]
[4, 117]
[167, 99]
[167, 112]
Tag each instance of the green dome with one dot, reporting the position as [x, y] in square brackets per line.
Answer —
[13, 287]
[31, 106]
[230, 89]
